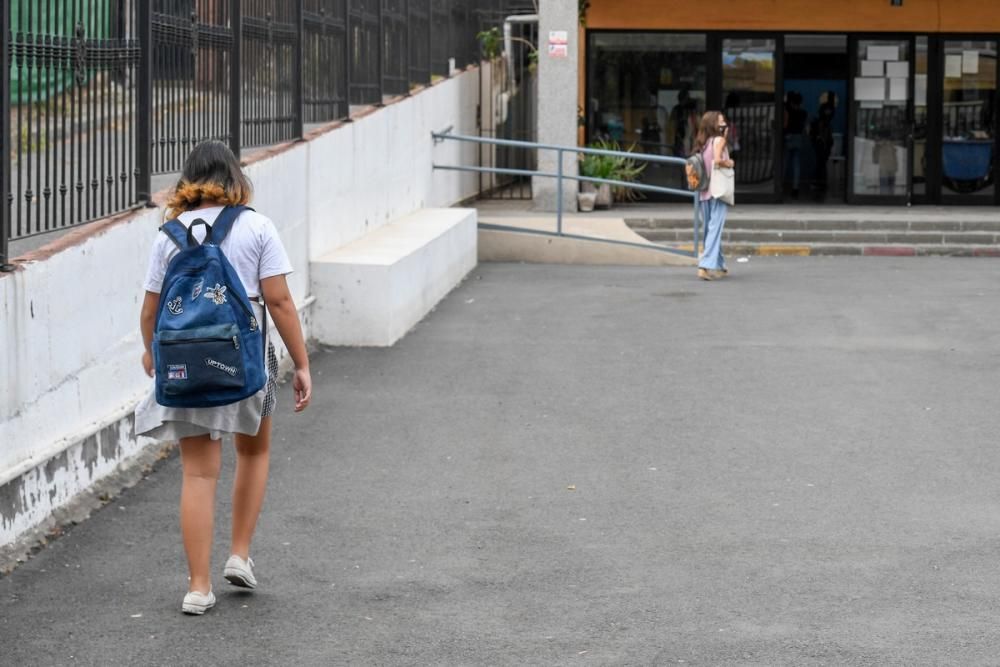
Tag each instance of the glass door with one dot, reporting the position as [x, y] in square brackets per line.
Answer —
[880, 120]
[968, 121]
[750, 94]
[646, 91]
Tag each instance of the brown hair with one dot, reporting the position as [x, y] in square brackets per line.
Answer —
[707, 130]
[211, 175]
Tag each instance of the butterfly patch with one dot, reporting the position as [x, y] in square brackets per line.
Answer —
[175, 306]
[217, 294]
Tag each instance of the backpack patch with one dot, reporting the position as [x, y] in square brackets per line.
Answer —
[176, 306]
[217, 294]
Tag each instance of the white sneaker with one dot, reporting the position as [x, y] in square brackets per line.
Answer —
[198, 603]
[239, 572]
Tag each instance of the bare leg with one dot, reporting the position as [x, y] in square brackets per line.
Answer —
[201, 458]
[252, 464]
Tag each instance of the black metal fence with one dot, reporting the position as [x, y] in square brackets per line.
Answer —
[100, 95]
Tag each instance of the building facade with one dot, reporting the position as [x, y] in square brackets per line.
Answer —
[857, 101]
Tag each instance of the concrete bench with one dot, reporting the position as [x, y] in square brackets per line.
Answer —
[373, 290]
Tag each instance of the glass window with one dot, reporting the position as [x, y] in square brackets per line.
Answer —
[647, 90]
[920, 118]
[748, 88]
[881, 94]
[970, 74]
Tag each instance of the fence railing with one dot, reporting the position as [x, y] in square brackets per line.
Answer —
[561, 176]
[99, 96]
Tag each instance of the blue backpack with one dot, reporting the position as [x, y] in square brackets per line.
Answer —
[208, 348]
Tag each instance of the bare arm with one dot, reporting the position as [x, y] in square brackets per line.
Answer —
[147, 320]
[286, 320]
[719, 146]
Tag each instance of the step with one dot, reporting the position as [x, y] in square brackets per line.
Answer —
[869, 250]
[870, 237]
[820, 224]
[371, 291]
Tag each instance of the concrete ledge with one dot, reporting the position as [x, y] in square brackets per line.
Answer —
[29, 500]
[372, 291]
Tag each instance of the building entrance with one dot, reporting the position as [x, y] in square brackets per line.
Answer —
[814, 118]
[820, 118]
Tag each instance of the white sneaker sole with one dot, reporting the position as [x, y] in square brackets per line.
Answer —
[239, 578]
[194, 609]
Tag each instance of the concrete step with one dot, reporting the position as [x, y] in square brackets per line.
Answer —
[824, 224]
[738, 234]
[739, 249]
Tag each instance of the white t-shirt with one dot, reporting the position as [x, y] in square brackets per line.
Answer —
[252, 247]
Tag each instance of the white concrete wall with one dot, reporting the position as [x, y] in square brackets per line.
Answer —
[378, 167]
[69, 340]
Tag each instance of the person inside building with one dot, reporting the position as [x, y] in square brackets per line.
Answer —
[822, 138]
[683, 123]
[796, 119]
[884, 156]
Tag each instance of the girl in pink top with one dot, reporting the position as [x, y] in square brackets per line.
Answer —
[712, 143]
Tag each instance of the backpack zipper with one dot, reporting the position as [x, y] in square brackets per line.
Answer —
[186, 341]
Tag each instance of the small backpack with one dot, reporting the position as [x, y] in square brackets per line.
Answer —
[697, 175]
[208, 348]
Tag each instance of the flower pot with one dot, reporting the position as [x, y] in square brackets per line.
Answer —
[604, 196]
[602, 190]
[586, 201]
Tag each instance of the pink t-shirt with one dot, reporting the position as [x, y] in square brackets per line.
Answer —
[708, 155]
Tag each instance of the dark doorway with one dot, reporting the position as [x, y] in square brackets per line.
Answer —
[815, 118]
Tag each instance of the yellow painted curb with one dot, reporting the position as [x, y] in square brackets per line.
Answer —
[792, 250]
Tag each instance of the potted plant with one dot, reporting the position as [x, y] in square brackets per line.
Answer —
[490, 42]
[615, 168]
[598, 166]
[627, 170]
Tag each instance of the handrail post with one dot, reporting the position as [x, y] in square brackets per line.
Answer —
[559, 192]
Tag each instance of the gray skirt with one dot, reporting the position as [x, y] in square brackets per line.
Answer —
[162, 423]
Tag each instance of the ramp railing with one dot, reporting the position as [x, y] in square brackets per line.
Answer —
[560, 176]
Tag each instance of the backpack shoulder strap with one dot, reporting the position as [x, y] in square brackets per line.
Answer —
[224, 222]
[176, 232]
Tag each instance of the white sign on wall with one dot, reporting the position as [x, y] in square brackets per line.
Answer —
[558, 37]
[558, 44]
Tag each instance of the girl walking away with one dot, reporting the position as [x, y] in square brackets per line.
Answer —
[210, 188]
[711, 142]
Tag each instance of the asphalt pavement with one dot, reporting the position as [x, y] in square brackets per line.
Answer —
[797, 465]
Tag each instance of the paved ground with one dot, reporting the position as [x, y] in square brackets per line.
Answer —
[604, 466]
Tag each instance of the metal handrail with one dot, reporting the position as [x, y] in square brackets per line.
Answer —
[447, 135]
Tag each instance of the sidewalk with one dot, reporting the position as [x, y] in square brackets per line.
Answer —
[608, 466]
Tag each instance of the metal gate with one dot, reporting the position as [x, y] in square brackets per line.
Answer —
[508, 103]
